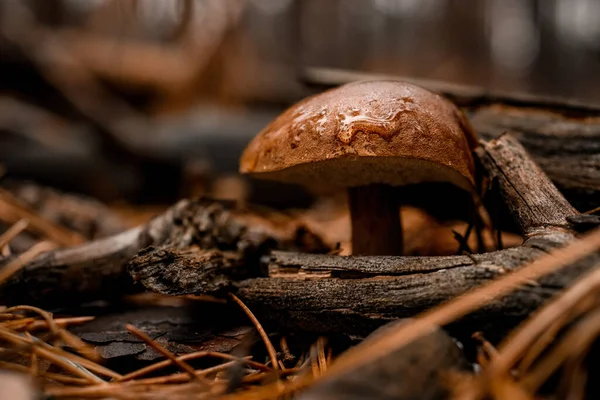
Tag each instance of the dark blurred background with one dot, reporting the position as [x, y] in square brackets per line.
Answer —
[146, 101]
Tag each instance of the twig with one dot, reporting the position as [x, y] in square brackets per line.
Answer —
[190, 356]
[592, 211]
[180, 363]
[518, 341]
[549, 334]
[314, 361]
[270, 349]
[44, 349]
[24, 259]
[463, 240]
[575, 342]
[321, 355]
[49, 375]
[44, 314]
[12, 210]
[13, 232]
[60, 360]
[33, 362]
[30, 325]
[488, 350]
[285, 349]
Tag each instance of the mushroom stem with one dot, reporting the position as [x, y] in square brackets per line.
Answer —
[376, 226]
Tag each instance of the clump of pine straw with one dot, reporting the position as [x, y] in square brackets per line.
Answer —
[35, 336]
[33, 340]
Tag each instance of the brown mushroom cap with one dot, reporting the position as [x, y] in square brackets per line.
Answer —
[366, 132]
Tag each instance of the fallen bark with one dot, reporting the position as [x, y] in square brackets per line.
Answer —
[339, 295]
[184, 328]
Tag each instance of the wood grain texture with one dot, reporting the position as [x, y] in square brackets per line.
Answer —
[534, 202]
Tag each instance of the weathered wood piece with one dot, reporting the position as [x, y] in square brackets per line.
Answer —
[418, 371]
[81, 214]
[336, 298]
[168, 270]
[533, 201]
[97, 269]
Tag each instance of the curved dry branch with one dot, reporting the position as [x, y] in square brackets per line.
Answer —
[96, 270]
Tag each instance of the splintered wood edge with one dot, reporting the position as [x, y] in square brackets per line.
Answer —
[534, 202]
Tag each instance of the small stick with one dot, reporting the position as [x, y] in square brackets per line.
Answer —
[34, 365]
[285, 349]
[574, 380]
[479, 224]
[191, 356]
[83, 348]
[549, 334]
[49, 375]
[13, 232]
[582, 336]
[487, 348]
[31, 325]
[520, 339]
[321, 354]
[181, 364]
[59, 360]
[463, 240]
[84, 362]
[57, 332]
[270, 349]
[314, 361]
[593, 210]
[11, 209]
[23, 259]
[47, 316]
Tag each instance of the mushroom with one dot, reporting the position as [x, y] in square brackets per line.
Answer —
[367, 137]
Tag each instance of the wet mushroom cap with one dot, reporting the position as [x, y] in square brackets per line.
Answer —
[388, 132]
